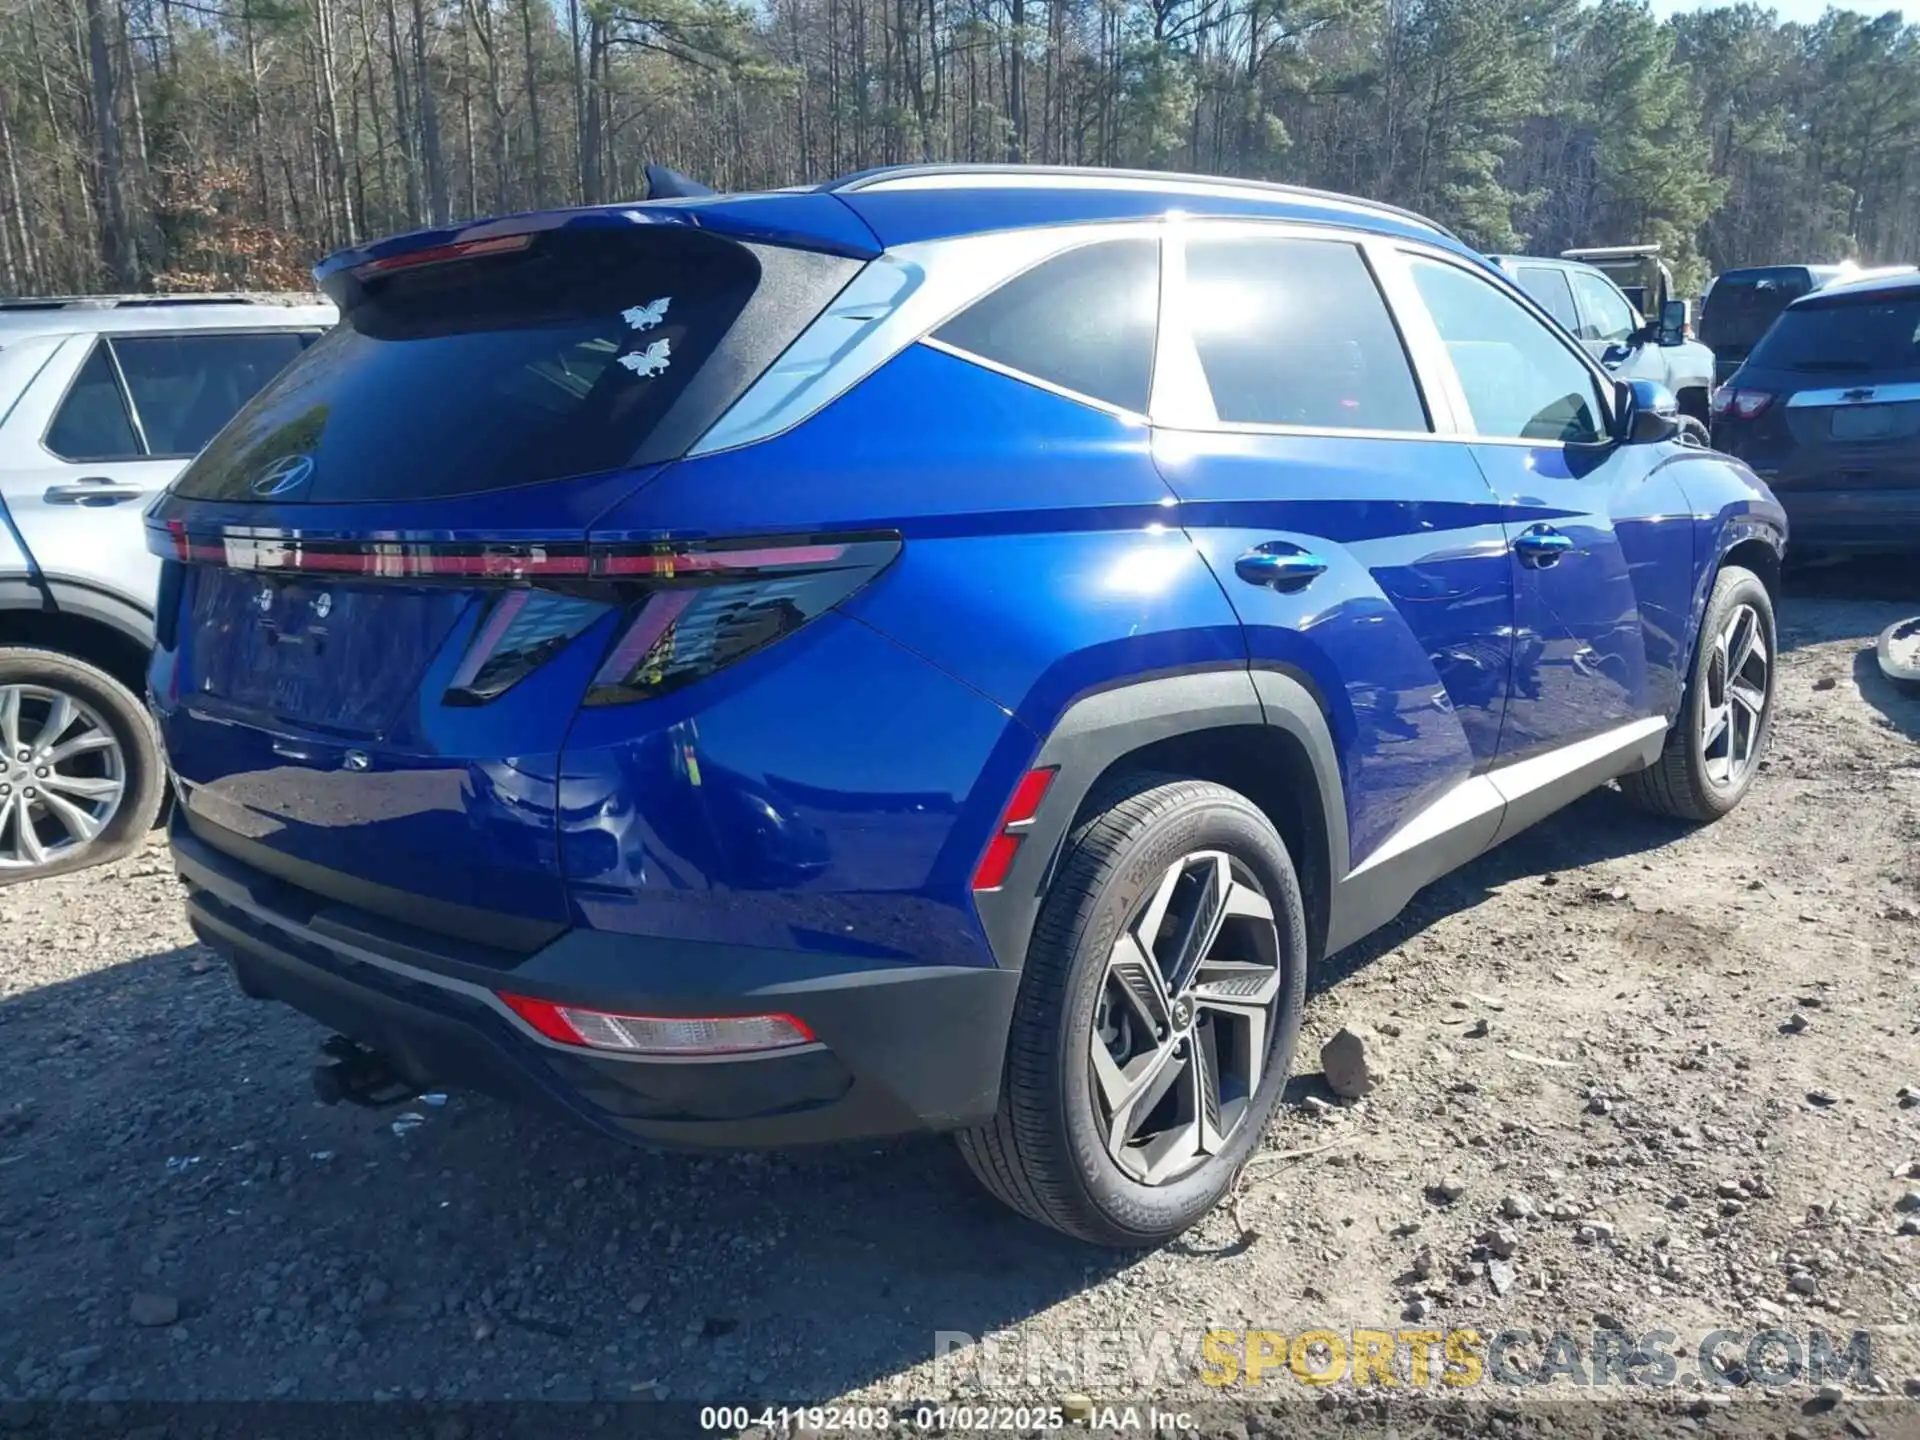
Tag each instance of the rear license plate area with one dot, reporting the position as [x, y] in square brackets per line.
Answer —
[1862, 422]
[339, 657]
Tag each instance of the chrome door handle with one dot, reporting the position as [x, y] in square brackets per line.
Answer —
[1284, 569]
[1541, 546]
[94, 489]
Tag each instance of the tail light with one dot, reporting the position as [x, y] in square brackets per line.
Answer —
[521, 631]
[688, 609]
[1741, 404]
[658, 1034]
[700, 610]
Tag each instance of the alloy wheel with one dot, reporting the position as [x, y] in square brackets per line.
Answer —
[62, 775]
[1183, 1019]
[1738, 671]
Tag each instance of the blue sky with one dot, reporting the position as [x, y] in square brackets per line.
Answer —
[1805, 11]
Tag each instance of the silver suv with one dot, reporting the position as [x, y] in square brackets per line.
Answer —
[102, 401]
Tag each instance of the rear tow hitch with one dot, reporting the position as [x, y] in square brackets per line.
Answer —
[358, 1076]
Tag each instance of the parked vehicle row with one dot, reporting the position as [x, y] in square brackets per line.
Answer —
[1739, 306]
[102, 401]
[943, 650]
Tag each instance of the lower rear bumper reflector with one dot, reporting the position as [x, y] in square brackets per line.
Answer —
[658, 1034]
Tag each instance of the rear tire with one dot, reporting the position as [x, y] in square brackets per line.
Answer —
[1715, 746]
[1159, 857]
[32, 681]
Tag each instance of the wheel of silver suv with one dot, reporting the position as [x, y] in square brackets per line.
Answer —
[80, 768]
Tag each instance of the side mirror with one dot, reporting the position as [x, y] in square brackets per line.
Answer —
[1673, 322]
[1648, 412]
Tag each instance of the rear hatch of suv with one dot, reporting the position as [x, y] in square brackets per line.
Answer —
[1829, 401]
[380, 612]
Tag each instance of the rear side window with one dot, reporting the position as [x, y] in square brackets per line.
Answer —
[1852, 338]
[1083, 320]
[1294, 332]
[1548, 289]
[1605, 315]
[566, 354]
[1740, 306]
[92, 422]
[185, 387]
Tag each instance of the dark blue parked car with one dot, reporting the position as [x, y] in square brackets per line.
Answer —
[945, 650]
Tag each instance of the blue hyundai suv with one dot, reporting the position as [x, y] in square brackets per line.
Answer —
[946, 650]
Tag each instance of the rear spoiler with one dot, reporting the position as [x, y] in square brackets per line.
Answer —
[665, 184]
[798, 220]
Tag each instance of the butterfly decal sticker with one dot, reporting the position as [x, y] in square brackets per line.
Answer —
[645, 317]
[651, 361]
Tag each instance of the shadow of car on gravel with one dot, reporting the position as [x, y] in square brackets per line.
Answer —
[165, 1139]
[1598, 826]
[171, 1143]
[1899, 703]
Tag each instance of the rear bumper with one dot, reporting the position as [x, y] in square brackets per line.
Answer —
[901, 1048]
[1853, 520]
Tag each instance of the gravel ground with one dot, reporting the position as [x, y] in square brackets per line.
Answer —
[1659, 1073]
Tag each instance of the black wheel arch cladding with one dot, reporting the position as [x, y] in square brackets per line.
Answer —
[1100, 732]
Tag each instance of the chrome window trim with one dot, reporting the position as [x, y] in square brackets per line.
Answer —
[1181, 397]
[1093, 401]
[900, 298]
[1903, 392]
[126, 398]
[896, 300]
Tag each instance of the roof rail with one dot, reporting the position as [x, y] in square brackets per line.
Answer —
[134, 302]
[1610, 252]
[1096, 177]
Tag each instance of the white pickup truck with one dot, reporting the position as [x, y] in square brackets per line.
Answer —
[1603, 296]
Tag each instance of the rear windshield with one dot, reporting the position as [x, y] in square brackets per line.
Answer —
[1854, 338]
[1741, 306]
[558, 358]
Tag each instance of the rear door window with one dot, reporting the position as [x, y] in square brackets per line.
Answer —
[1083, 320]
[1548, 289]
[186, 387]
[1604, 313]
[1294, 332]
[1857, 337]
[559, 355]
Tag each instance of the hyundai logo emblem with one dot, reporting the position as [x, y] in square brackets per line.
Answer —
[357, 760]
[289, 472]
